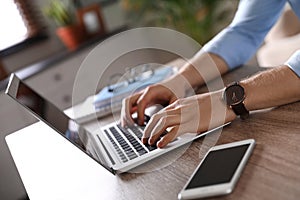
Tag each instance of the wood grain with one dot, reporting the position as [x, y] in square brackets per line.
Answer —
[273, 170]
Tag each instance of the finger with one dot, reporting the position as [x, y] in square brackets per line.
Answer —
[173, 99]
[163, 124]
[154, 121]
[168, 137]
[127, 109]
[150, 125]
[176, 104]
[141, 106]
[171, 106]
[142, 102]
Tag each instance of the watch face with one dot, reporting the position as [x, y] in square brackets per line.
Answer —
[234, 94]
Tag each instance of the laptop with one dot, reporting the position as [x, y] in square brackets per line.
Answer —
[118, 149]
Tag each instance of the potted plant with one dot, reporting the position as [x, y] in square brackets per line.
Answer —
[69, 31]
[199, 19]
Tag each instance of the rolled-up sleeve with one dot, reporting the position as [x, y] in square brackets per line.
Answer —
[237, 43]
[294, 63]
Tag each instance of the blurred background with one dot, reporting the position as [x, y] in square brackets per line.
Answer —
[45, 41]
[27, 30]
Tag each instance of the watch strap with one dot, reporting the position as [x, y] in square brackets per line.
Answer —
[240, 110]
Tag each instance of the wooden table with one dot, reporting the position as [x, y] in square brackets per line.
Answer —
[273, 170]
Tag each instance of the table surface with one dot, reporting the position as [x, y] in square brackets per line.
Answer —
[272, 172]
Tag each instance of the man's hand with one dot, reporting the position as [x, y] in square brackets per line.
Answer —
[163, 93]
[195, 114]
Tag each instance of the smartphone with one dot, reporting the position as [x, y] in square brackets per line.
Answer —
[218, 171]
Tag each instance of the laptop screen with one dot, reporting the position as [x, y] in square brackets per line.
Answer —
[52, 116]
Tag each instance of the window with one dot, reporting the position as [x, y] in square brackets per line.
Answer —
[19, 22]
[13, 28]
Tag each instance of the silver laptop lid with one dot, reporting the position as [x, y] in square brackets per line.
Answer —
[45, 111]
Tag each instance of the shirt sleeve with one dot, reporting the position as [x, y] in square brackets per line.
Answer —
[294, 63]
[237, 43]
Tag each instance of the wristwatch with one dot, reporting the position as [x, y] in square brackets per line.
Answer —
[234, 96]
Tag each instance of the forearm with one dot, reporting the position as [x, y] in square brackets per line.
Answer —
[271, 88]
[202, 68]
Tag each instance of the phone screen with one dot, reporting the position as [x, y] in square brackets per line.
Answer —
[218, 167]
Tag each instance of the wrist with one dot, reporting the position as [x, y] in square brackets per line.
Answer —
[230, 114]
[221, 112]
[179, 85]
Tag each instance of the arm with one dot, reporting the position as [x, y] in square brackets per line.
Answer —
[274, 87]
[232, 47]
[278, 86]
[175, 87]
[236, 44]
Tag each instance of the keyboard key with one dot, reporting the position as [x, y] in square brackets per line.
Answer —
[121, 154]
[128, 151]
[151, 148]
[136, 144]
[137, 131]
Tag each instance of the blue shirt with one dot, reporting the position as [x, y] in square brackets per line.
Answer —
[237, 43]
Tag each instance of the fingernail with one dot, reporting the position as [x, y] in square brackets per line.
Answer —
[150, 141]
[145, 140]
[140, 122]
[122, 123]
[160, 144]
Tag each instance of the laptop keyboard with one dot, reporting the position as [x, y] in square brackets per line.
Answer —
[127, 141]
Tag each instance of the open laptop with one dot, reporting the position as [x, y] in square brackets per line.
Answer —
[116, 148]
